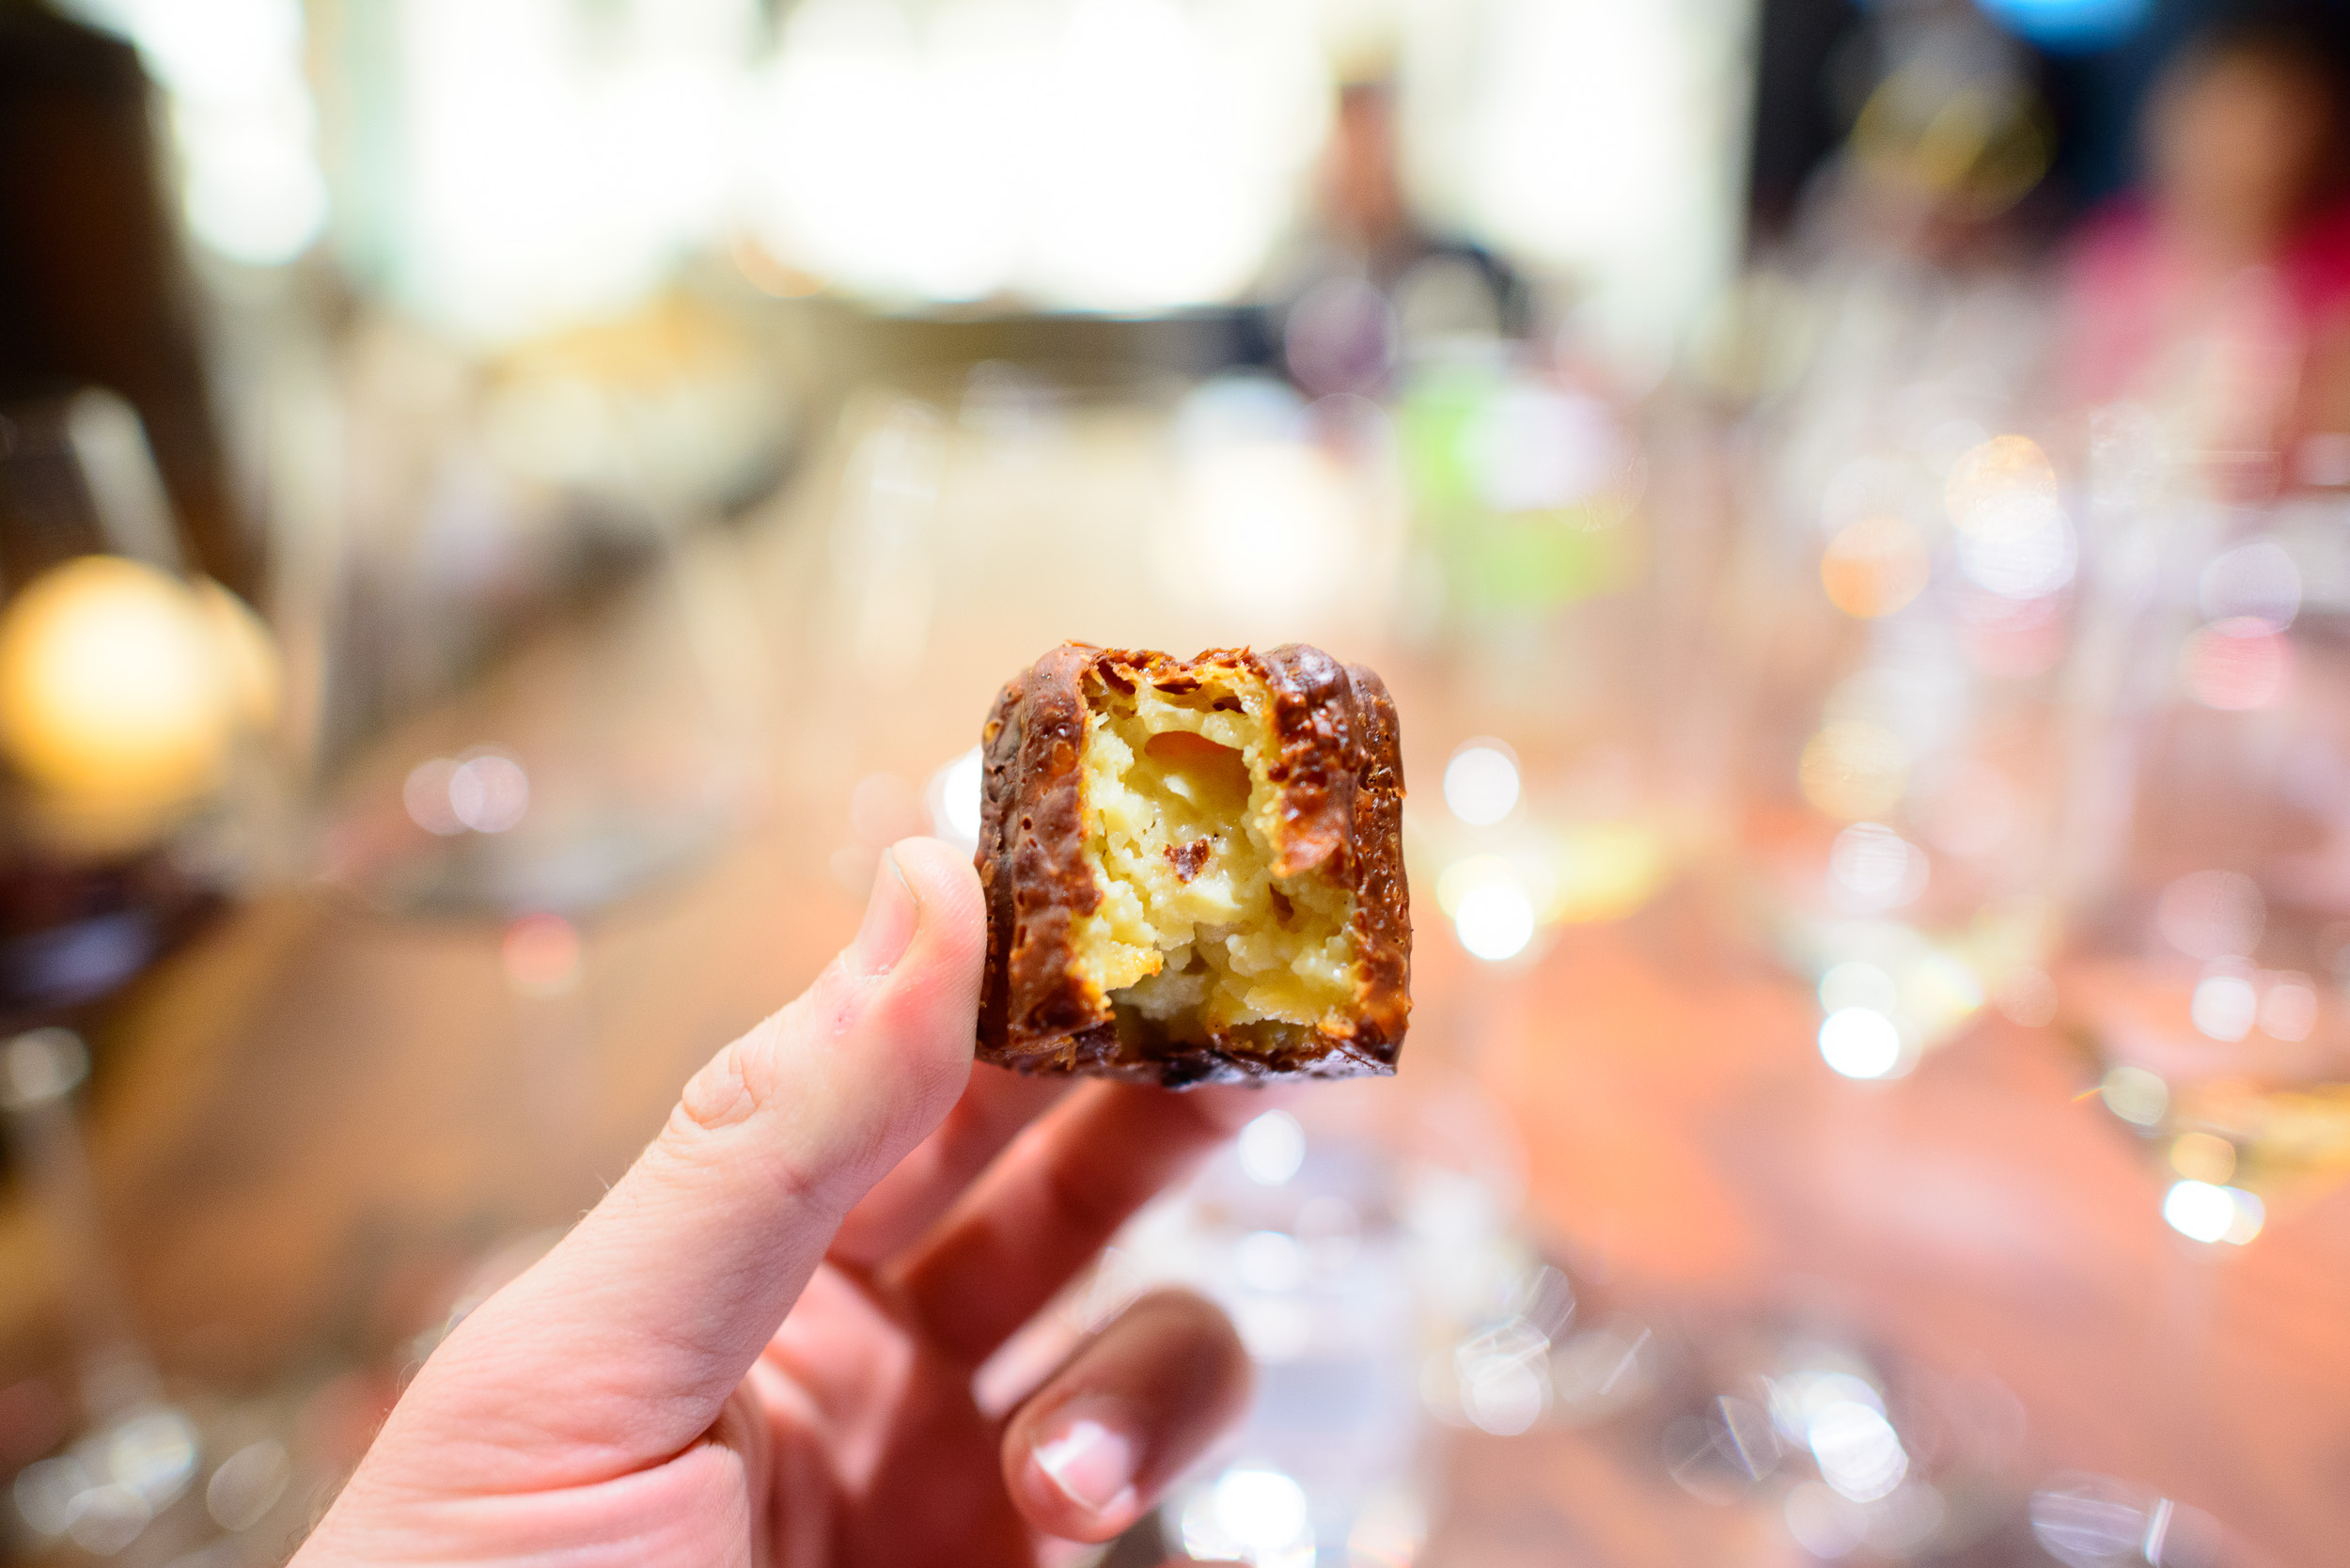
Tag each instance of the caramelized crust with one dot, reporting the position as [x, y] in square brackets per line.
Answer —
[1324, 818]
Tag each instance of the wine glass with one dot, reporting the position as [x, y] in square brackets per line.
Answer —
[2209, 978]
[1911, 593]
[155, 1472]
[136, 783]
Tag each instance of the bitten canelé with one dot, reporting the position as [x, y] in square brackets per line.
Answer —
[1194, 867]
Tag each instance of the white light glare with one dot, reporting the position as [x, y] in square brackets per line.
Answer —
[1260, 1508]
[1481, 783]
[1269, 1261]
[254, 192]
[1860, 1042]
[2224, 1006]
[954, 794]
[2208, 1213]
[1495, 923]
[2019, 547]
[1858, 1452]
[1503, 1395]
[1272, 1148]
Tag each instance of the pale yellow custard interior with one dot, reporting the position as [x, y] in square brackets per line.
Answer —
[1175, 783]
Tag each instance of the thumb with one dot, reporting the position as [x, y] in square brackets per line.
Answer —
[618, 1349]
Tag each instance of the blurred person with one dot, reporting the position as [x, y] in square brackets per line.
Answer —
[2220, 295]
[761, 1346]
[1366, 271]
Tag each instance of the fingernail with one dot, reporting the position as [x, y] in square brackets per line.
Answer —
[890, 915]
[1093, 1465]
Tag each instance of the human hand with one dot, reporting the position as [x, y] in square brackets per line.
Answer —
[759, 1347]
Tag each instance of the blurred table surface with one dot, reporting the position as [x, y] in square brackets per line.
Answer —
[307, 1126]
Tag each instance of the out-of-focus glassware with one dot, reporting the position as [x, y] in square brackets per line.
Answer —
[2211, 971]
[997, 511]
[1379, 1279]
[1906, 600]
[154, 1473]
[536, 673]
[1906, 593]
[1373, 1261]
[1564, 555]
[134, 700]
[1911, 789]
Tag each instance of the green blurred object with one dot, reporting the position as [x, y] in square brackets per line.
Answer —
[1500, 555]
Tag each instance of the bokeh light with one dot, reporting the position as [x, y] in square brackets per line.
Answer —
[1852, 769]
[1874, 867]
[2212, 914]
[2256, 581]
[1250, 1514]
[2288, 1009]
[1874, 566]
[1481, 783]
[1858, 1452]
[1272, 1148]
[247, 1484]
[2238, 664]
[541, 955]
[2014, 539]
[1504, 1395]
[2136, 1095]
[1269, 1261]
[489, 792]
[2207, 1211]
[2000, 469]
[1823, 1521]
[2224, 1007]
[1860, 1042]
[2090, 1522]
[112, 685]
[483, 791]
[953, 799]
[425, 793]
[1496, 921]
[2203, 1158]
[2019, 547]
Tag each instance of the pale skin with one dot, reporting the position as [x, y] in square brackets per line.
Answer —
[758, 1348]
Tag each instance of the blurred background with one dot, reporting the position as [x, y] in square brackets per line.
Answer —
[507, 506]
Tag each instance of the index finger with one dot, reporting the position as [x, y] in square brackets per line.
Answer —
[1052, 1199]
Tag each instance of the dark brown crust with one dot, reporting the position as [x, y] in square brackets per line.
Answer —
[1031, 855]
[1341, 776]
